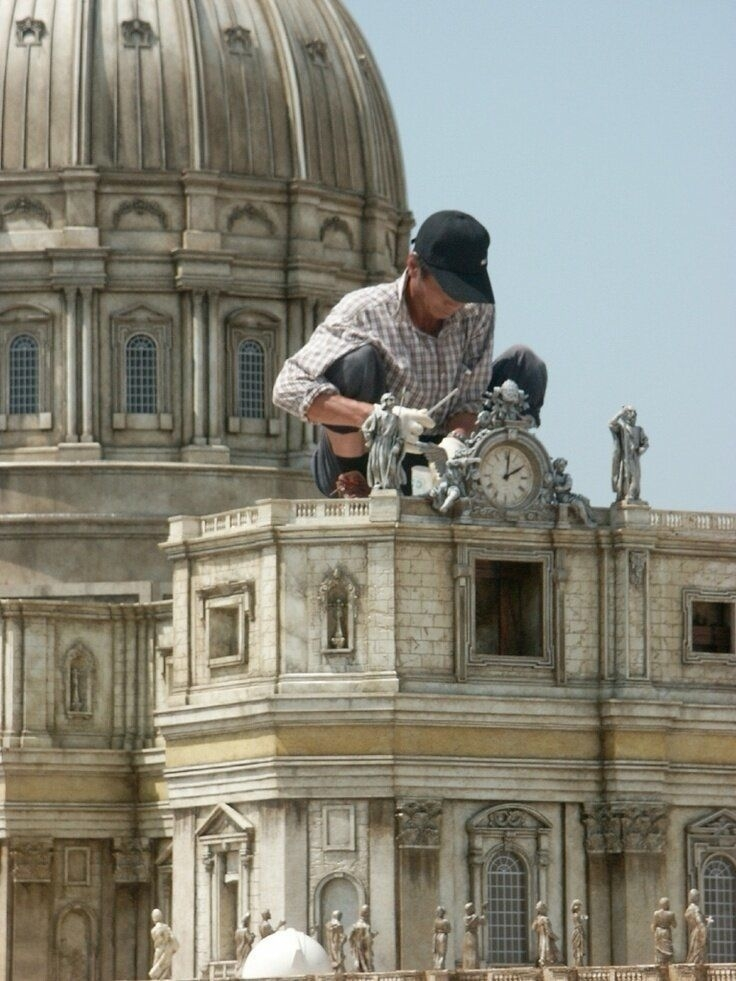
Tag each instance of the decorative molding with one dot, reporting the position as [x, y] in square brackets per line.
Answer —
[32, 859]
[318, 52]
[709, 837]
[612, 829]
[25, 206]
[140, 206]
[419, 824]
[29, 32]
[132, 860]
[254, 213]
[336, 226]
[239, 40]
[137, 33]
[637, 568]
[698, 636]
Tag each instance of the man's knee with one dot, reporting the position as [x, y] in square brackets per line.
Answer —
[521, 364]
[359, 374]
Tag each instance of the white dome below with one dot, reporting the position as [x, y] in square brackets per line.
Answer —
[286, 954]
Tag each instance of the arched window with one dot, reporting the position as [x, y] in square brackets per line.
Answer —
[508, 910]
[719, 901]
[251, 364]
[23, 376]
[141, 375]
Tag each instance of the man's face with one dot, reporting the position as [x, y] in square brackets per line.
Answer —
[429, 294]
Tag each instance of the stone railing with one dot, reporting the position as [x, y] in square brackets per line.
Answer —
[561, 972]
[693, 521]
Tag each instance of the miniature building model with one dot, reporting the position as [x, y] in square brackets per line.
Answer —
[274, 701]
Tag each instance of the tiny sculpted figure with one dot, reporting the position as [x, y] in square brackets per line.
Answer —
[505, 403]
[453, 481]
[697, 930]
[663, 923]
[472, 922]
[629, 442]
[244, 939]
[361, 942]
[382, 434]
[165, 945]
[335, 942]
[547, 952]
[562, 493]
[266, 927]
[439, 945]
[577, 940]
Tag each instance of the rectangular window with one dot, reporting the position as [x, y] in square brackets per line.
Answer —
[508, 609]
[710, 619]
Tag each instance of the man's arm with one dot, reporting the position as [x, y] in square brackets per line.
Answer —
[333, 409]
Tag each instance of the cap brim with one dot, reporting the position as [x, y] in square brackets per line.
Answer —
[468, 288]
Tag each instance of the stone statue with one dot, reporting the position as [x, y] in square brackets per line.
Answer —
[266, 927]
[335, 942]
[697, 930]
[547, 952]
[629, 442]
[577, 940]
[439, 946]
[361, 942]
[244, 939]
[382, 434]
[562, 493]
[165, 945]
[472, 922]
[452, 485]
[663, 923]
[505, 403]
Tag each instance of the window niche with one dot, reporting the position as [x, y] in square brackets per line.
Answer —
[711, 861]
[338, 600]
[251, 357]
[503, 610]
[25, 379]
[709, 621]
[141, 370]
[227, 611]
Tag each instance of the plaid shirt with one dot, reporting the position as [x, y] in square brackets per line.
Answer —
[421, 369]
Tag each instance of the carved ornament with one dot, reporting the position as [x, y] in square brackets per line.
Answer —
[239, 40]
[419, 824]
[253, 212]
[339, 225]
[29, 32]
[637, 568]
[25, 206]
[32, 859]
[611, 829]
[318, 52]
[132, 860]
[139, 206]
[137, 33]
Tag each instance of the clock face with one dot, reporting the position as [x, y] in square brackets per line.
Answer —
[507, 476]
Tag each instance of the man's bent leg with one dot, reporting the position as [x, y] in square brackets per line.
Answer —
[360, 375]
[520, 364]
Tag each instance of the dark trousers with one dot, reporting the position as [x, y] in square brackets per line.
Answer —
[361, 375]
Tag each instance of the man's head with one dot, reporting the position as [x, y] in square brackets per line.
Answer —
[453, 246]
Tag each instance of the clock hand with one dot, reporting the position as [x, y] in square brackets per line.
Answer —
[508, 464]
[512, 472]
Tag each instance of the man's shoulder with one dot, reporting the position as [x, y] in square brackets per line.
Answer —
[366, 299]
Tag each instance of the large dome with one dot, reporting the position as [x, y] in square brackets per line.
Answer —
[283, 89]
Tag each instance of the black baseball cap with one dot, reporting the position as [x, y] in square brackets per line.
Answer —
[455, 248]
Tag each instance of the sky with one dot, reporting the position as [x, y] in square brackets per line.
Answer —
[597, 143]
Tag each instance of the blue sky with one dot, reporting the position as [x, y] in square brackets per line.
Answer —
[597, 142]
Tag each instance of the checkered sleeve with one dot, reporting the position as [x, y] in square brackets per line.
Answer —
[477, 362]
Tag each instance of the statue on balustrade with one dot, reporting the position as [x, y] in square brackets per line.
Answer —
[629, 442]
[165, 945]
[472, 922]
[266, 927]
[697, 930]
[577, 940]
[547, 951]
[244, 940]
[360, 939]
[439, 947]
[663, 923]
[335, 942]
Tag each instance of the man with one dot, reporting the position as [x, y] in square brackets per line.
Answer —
[421, 337]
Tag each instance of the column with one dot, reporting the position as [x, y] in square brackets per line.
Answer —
[216, 372]
[199, 352]
[71, 365]
[418, 841]
[87, 379]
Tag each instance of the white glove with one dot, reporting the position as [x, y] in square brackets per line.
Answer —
[413, 422]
